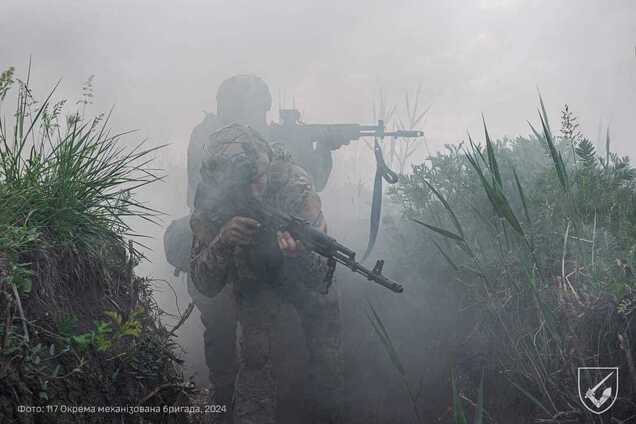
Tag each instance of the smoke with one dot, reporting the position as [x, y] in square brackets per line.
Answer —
[160, 64]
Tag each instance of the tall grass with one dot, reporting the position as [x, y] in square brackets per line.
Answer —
[66, 177]
[74, 318]
[540, 234]
[414, 396]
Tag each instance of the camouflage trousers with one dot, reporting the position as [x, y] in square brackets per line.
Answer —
[218, 316]
[255, 393]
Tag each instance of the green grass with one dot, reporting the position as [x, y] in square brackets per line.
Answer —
[532, 229]
[66, 177]
[75, 320]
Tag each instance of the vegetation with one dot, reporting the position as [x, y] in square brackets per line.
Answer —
[534, 237]
[77, 327]
[537, 242]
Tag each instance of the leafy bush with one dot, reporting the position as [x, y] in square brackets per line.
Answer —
[539, 234]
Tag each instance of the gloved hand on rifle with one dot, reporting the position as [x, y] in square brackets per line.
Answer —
[241, 231]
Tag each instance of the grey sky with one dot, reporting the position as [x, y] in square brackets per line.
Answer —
[160, 62]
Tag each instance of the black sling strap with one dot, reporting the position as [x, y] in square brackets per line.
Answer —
[382, 172]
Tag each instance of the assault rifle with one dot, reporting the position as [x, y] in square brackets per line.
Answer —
[311, 144]
[320, 243]
[336, 134]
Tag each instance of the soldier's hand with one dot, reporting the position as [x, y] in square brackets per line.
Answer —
[240, 231]
[288, 245]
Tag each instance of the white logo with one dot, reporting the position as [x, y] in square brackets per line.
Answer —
[598, 388]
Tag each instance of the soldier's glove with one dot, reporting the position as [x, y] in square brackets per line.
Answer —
[239, 231]
[288, 245]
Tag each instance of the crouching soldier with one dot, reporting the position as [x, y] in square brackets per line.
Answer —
[265, 270]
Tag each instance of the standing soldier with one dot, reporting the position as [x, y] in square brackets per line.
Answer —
[264, 272]
[241, 99]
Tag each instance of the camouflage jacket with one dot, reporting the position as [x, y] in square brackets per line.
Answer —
[215, 264]
[198, 139]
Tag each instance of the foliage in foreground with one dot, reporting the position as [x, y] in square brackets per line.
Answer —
[66, 177]
[538, 236]
[76, 325]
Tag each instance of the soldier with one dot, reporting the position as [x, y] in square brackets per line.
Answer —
[246, 99]
[243, 99]
[265, 272]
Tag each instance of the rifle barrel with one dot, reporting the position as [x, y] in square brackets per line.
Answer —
[378, 278]
[376, 132]
[405, 133]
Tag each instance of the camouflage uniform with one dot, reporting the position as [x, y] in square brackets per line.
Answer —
[212, 208]
[241, 99]
[263, 280]
[218, 314]
[244, 99]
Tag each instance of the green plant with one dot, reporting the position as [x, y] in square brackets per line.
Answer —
[105, 333]
[459, 417]
[68, 195]
[539, 234]
[382, 333]
[70, 181]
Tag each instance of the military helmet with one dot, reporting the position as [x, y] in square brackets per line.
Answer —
[235, 154]
[244, 89]
[234, 157]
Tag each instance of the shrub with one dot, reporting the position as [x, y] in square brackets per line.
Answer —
[539, 234]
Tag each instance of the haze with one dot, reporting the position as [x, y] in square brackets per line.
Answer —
[161, 62]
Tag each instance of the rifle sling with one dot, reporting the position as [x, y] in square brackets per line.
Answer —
[382, 172]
